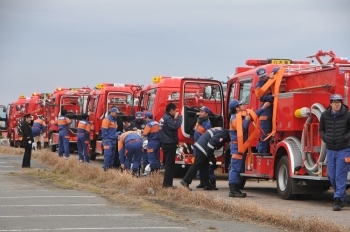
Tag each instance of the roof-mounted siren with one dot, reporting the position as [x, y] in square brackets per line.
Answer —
[156, 79]
[258, 62]
[119, 85]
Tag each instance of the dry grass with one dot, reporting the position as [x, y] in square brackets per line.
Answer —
[71, 173]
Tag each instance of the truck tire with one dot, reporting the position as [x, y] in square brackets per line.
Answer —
[284, 181]
[179, 171]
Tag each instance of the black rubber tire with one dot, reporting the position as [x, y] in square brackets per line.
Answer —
[93, 156]
[284, 181]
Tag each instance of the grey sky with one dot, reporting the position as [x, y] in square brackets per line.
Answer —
[74, 43]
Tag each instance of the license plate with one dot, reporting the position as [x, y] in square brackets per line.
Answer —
[280, 61]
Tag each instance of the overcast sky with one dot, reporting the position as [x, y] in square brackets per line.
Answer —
[74, 43]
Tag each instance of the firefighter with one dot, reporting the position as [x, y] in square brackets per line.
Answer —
[212, 139]
[335, 132]
[202, 125]
[63, 139]
[109, 137]
[139, 124]
[27, 140]
[130, 149]
[83, 139]
[151, 131]
[168, 136]
[266, 117]
[238, 160]
[38, 130]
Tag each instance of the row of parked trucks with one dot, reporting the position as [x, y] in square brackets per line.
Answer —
[301, 90]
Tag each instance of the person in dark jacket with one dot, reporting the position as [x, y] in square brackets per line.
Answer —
[27, 141]
[212, 139]
[335, 132]
[83, 138]
[120, 128]
[170, 123]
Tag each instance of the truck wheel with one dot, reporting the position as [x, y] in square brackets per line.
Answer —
[12, 143]
[180, 172]
[242, 181]
[16, 144]
[53, 147]
[284, 182]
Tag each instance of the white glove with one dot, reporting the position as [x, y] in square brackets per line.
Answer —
[29, 142]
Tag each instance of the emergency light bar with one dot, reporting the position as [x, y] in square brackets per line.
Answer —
[22, 97]
[257, 62]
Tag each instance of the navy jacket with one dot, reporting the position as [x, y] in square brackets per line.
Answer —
[212, 139]
[169, 126]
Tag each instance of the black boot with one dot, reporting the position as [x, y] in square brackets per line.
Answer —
[200, 185]
[134, 173]
[213, 184]
[337, 204]
[235, 192]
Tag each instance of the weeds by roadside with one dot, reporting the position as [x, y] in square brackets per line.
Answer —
[116, 186]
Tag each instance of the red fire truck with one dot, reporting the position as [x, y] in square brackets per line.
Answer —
[189, 94]
[74, 101]
[15, 113]
[101, 100]
[301, 93]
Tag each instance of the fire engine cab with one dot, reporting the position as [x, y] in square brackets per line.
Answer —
[301, 90]
[101, 100]
[188, 94]
[15, 113]
[73, 100]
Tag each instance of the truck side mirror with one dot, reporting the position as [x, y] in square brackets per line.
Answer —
[207, 92]
[4, 109]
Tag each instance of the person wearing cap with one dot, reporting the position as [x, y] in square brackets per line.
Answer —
[335, 132]
[213, 139]
[139, 124]
[130, 149]
[109, 137]
[38, 129]
[27, 140]
[63, 140]
[168, 137]
[151, 132]
[238, 160]
[202, 125]
[266, 117]
[83, 139]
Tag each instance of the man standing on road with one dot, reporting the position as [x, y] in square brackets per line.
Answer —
[63, 139]
[335, 132]
[211, 140]
[27, 141]
[38, 128]
[83, 139]
[238, 159]
[170, 122]
[109, 138]
[151, 131]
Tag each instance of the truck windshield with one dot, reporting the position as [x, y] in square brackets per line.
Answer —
[2, 118]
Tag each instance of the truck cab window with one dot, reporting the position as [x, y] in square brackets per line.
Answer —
[244, 91]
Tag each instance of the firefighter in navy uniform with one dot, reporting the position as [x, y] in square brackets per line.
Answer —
[202, 125]
[109, 137]
[27, 141]
[213, 139]
[130, 149]
[151, 131]
[237, 159]
[38, 128]
[83, 139]
[266, 117]
[139, 124]
[63, 141]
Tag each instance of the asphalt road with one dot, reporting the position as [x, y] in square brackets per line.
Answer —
[28, 204]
